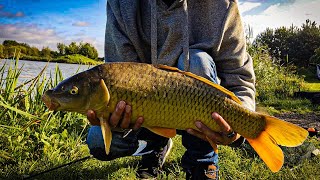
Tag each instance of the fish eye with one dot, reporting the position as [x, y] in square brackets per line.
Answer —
[74, 90]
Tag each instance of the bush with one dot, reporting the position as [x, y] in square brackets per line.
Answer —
[273, 80]
[315, 59]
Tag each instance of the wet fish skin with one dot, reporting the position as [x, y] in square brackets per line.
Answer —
[170, 99]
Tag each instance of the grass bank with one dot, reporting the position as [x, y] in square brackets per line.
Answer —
[71, 59]
[312, 84]
[33, 139]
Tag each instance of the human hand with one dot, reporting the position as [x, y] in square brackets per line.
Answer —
[121, 117]
[216, 137]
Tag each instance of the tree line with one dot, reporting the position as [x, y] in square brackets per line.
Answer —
[10, 49]
[299, 46]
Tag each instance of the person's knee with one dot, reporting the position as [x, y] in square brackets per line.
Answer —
[96, 144]
[201, 64]
[95, 138]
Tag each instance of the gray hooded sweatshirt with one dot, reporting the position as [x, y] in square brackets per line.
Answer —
[150, 31]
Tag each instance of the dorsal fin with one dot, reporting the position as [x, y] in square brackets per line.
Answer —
[217, 86]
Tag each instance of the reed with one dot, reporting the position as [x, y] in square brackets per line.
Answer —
[33, 139]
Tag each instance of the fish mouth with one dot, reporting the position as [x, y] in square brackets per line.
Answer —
[50, 103]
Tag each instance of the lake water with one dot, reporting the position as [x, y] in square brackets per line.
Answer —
[30, 69]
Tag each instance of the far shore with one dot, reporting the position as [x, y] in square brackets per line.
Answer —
[67, 59]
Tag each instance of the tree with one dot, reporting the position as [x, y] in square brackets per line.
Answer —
[72, 49]
[10, 43]
[295, 45]
[61, 48]
[33, 51]
[315, 59]
[88, 50]
[13, 51]
[304, 43]
[1, 51]
[46, 52]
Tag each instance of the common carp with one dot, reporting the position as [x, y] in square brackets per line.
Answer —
[171, 99]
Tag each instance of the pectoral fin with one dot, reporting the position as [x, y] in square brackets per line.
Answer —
[165, 132]
[106, 133]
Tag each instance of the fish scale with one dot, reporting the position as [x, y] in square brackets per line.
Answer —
[181, 89]
[170, 99]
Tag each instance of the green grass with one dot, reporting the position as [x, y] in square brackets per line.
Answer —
[71, 59]
[76, 59]
[296, 105]
[311, 84]
[33, 140]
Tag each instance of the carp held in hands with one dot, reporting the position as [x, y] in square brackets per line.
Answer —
[171, 99]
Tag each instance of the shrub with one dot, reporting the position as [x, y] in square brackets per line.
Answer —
[272, 79]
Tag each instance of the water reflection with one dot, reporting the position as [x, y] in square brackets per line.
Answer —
[31, 69]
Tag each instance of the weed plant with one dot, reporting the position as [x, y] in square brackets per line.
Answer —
[33, 139]
[273, 81]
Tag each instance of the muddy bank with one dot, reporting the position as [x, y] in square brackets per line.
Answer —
[304, 120]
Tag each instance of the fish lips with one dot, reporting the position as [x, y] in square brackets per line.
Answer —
[49, 102]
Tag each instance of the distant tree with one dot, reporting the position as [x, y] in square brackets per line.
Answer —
[88, 50]
[61, 48]
[304, 44]
[33, 51]
[25, 45]
[22, 49]
[315, 59]
[10, 43]
[297, 45]
[12, 51]
[2, 51]
[46, 52]
[72, 48]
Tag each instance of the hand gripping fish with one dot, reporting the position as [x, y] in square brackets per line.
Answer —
[171, 99]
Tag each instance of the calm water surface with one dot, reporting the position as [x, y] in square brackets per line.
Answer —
[30, 69]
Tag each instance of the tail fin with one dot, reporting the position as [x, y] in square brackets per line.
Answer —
[277, 132]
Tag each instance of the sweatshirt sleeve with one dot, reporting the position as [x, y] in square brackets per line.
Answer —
[118, 47]
[234, 64]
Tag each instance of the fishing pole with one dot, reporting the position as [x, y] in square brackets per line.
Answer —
[58, 167]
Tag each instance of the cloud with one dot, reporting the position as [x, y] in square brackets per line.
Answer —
[277, 15]
[30, 34]
[44, 37]
[247, 6]
[7, 14]
[81, 24]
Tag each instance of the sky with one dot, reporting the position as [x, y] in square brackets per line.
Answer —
[44, 23]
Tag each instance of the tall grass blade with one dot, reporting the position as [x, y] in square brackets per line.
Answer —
[19, 111]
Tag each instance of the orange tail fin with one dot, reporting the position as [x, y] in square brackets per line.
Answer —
[277, 132]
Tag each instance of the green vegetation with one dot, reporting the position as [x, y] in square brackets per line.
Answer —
[312, 83]
[84, 53]
[273, 80]
[33, 139]
[72, 59]
[292, 45]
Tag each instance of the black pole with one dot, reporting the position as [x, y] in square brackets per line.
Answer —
[58, 167]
